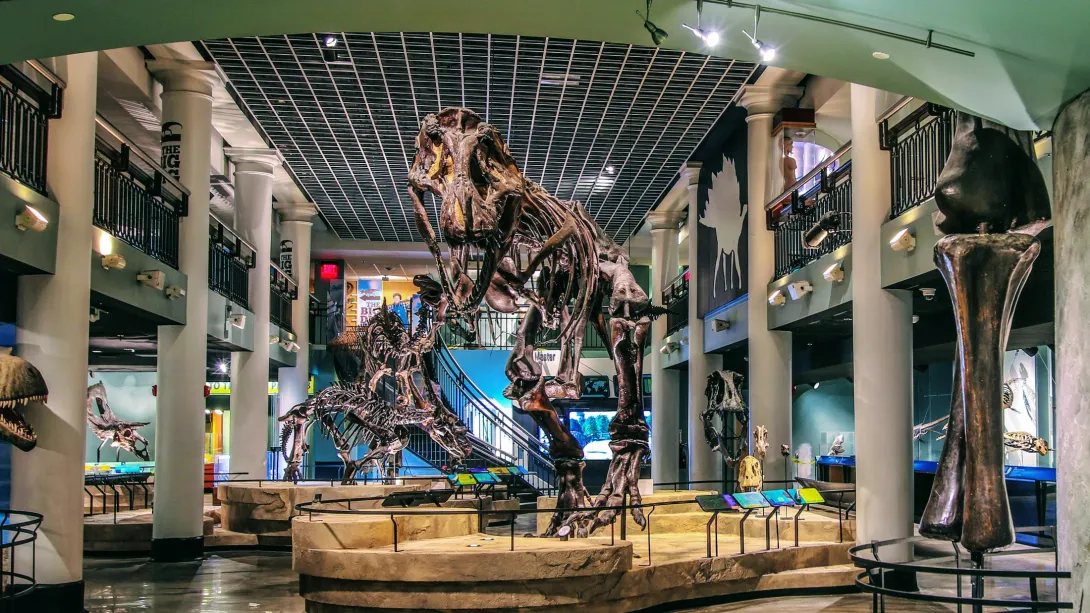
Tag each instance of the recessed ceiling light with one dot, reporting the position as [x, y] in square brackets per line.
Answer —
[880, 55]
[63, 17]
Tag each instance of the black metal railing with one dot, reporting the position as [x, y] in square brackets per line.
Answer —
[319, 314]
[230, 260]
[18, 529]
[795, 213]
[495, 330]
[25, 111]
[918, 146]
[675, 297]
[282, 292]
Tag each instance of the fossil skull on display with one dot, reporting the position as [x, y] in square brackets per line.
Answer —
[760, 441]
[20, 384]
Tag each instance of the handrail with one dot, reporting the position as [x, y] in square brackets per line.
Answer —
[109, 128]
[232, 232]
[814, 172]
[894, 108]
[290, 281]
[49, 75]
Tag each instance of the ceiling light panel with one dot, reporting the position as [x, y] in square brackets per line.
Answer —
[568, 109]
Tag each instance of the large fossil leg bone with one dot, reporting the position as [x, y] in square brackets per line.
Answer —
[985, 274]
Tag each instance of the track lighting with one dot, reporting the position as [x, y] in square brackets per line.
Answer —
[31, 219]
[799, 289]
[834, 273]
[827, 224]
[710, 37]
[767, 52]
[658, 35]
[221, 366]
[329, 40]
[777, 299]
[903, 241]
[113, 261]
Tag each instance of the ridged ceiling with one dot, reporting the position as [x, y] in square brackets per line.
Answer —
[606, 124]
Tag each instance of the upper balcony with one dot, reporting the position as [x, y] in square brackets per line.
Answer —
[918, 142]
[230, 259]
[283, 291]
[675, 298]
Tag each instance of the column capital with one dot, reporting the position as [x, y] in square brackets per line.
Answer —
[259, 160]
[296, 211]
[690, 174]
[665, 220]
[767, 99]
[186, 75]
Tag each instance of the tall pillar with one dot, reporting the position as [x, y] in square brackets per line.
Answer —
[1071, 188]
[295, 226]
[665, 412]
[769, 351]
[704, 464]
[881, 344]
[250, 369]
[52, 334]
[177, 526]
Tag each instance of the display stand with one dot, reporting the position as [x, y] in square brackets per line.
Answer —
[742, 531]
[768, 529]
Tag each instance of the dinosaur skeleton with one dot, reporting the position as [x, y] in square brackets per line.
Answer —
[919, 431]
[20, 384]
[1024, 441]
[725, 401]
[527, 245]
[121, 435]
[384, 389]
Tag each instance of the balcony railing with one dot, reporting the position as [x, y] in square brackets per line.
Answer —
[25, 111]
[796, 213]
[918, 146]
[676, 299]
[495, 330]
[135, 200]
[230, 259]
[319, 314]
[283, 290]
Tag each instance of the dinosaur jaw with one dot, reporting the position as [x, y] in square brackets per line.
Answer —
[13, 427]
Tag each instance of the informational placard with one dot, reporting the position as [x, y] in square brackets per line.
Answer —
[779, 498]
[809, 495]
[751, 500]
[486, 477]
[712, 502]
[731, 502]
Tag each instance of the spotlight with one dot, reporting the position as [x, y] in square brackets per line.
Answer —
[903, 241]
[329, 40]
[62, 17]
[827, 224]
[718, 325]
[834, 273]
[799, 289]
[274, 339]
[710, 37]
[31, 219]
[237, 320]
[175, 292]
[658, 35]
[669, 348]
[880, 55]
[114, 261]
[221, 366]
[155, 279]
[766, 52]
[928, 293]
[915, 319]
[777, 299]
[817, 385]
[610, 169]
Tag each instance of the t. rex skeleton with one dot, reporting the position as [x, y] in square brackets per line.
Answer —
[121, 435]
[526, 244]
[384, 388]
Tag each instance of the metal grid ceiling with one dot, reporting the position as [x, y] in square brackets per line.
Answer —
[571, 112]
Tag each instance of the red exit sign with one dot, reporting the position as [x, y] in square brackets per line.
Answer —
[328, 272]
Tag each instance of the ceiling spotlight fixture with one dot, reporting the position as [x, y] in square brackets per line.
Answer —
[880, 55]
[834, 273]
[31, 219]
[658, 35]
[63, 17]
[915, 319]
[329, 40]
[221, 366]
[610, 169]
[710, 37]
[827, 224]
[817, 385]
[767, 52]
[903, 241]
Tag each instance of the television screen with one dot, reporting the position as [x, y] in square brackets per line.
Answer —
[591, 429]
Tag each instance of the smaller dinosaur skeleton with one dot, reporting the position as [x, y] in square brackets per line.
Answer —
[921, 430]
[121, 435]
[725, 401]
[1024, 441]
[20, 383]
[837, 447]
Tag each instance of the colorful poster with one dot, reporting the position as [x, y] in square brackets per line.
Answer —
[369, 298]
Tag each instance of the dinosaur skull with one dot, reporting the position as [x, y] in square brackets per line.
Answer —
[20, 383]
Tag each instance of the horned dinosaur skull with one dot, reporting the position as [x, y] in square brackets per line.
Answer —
[109, 429]
[20, 383]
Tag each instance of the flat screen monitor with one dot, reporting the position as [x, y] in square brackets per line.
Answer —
[486, 477]
[809, 495]
[779, 498]
[712, 502]
[731, 502]
[751, 500]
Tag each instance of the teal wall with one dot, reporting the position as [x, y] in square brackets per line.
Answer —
[830, 408]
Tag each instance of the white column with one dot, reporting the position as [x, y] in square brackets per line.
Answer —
[881, 343]
[704, 464]
[665, 412]
[1071, 186]
[250, 369]
[52, 335]
[179, 427]
[769, 351]
[295, 225]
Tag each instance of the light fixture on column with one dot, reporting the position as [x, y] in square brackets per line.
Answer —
[274, 339]
[669, 347]
[658, 35]
[31, 219]
[222, 367]
[798, 289]
[719, 325]
[903, 241]
[766, 52]
[777, 299]
[827, 224]
[155, 279]
[834, 273]
[237, 320]
[289, 345]
[113, 261]
[710, 37]
[175, 292]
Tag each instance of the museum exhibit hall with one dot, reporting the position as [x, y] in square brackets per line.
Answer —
[601, 307]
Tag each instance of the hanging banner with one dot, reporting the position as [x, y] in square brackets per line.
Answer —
[369, 298]
[171, 158]
[286, 263]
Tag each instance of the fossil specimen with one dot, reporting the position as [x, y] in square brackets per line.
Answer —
[121, 435]
[20, 383]
[1024, 441]
[725, 403]
[760, 441]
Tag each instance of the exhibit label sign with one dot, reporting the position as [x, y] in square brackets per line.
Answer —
[171, 158]
[223, 388]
